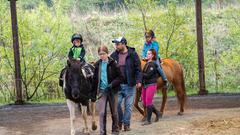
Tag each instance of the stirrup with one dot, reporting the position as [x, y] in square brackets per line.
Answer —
[166, 84]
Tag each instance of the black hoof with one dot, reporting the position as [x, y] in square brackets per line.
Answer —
[180, 113]
[160, 116]
[94, 126]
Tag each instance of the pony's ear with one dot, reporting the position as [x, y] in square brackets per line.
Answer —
[81, 63]
[92, 62]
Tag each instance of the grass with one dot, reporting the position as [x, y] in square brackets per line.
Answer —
[42, 101]
[53, 101]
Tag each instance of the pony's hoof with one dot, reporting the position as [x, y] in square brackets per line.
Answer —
[160, 115]
[180, 113]
[94, 126]
[143, 119]
[73, 132]
[85, 131]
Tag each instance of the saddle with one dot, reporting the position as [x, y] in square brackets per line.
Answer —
[87, 70]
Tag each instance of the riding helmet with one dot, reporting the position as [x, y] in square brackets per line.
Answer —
[76, 36]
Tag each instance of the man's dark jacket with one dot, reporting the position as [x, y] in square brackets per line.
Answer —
[132, 67]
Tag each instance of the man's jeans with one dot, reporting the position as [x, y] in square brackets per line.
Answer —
[127, 94]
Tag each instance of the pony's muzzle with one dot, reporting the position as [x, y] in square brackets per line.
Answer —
[75, 94]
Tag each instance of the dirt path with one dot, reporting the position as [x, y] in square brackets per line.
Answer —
[214, 114]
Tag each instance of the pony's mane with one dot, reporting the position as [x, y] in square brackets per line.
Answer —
[74, 64]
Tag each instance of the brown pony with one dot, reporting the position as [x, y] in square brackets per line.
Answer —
[174, 73]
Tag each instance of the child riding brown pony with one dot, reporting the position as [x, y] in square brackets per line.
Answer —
[174, 73]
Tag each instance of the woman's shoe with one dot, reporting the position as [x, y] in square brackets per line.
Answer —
[149, 115]
[158, 114]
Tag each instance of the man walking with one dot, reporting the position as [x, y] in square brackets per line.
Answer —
[130, 66]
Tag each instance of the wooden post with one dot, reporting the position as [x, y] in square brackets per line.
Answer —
[18, 80]
[201, 73]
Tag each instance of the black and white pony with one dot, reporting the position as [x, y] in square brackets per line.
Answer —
[78, 91]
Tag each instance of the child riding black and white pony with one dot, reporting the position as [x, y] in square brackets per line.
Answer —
[76, 79]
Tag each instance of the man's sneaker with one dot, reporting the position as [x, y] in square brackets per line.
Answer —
[116, 132]
[127, 128]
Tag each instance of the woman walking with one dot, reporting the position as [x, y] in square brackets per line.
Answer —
[150, 75]
[107, 77]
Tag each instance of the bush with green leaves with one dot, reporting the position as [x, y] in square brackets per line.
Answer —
[45, 30]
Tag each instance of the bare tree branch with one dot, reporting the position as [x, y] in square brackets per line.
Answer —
[171, 35]
[144, 19]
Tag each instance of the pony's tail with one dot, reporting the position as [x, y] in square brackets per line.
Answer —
[183, 85]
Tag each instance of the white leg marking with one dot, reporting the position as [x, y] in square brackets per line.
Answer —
[71, 106]
[84, 113]
[93, 109]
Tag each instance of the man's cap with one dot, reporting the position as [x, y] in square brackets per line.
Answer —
[120, 40]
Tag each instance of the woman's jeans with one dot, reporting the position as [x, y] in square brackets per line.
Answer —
[102, 108]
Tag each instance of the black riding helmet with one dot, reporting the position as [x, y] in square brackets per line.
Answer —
[76, 36]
